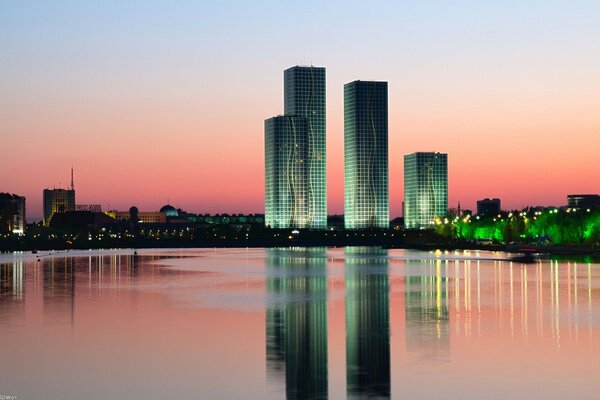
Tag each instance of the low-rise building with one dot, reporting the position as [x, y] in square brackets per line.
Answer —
[12, 213]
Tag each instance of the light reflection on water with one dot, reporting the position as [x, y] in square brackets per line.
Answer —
[297, 323]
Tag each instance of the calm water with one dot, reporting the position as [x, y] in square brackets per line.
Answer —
[297, 323]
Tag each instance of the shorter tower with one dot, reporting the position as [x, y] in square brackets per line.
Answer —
[58, 200]
[425, 189]
[287, 176]
[366, 155]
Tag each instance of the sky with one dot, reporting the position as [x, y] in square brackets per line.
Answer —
[164, 101]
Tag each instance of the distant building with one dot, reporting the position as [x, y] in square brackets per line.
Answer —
[95, 208]
[488, 207]
[12, 213]
[287, 173]
[583, 201]
[78, 221]
[57, 201]
[169, 211]
[304, 96]
[366, 155]
[425, 189]
[146, 217]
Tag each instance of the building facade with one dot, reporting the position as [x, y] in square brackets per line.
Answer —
[12, 213]
[145, 217]
[304, 96]
[488, 207]
[366, 155]
[57, 200]
[583, 200]
[288, 200]
[425, 189]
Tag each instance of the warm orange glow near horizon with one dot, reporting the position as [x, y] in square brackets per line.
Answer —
[147, 115]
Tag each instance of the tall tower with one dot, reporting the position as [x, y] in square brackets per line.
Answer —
[366, 155]
[425, 189]
[287, 183]
[304, 96]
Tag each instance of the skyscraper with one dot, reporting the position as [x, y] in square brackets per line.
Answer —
[304, 96]
[425, 189]
[366, 155]
[287, 183]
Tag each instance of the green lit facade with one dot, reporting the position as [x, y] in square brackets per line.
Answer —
[304, 96]
[366, 155]
[425, 189]
[287, 184]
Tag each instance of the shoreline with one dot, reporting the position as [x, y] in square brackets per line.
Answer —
[555, 250]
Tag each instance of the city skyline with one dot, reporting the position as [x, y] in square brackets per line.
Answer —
[144, 129]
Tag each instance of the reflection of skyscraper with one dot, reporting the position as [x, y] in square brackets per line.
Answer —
[287, 185]
[296, 320]
[367, 323]
[425, 188]
[427, 316]
[366, 155]
[304, 96]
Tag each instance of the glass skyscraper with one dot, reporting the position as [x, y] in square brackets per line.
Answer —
[304, 96]
[287, 197]
[366, 155]
[425, 189]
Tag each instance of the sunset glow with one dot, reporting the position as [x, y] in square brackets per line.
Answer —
[153, 102]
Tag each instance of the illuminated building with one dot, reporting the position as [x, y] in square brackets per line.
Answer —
[169, 211]
[488, 207]
[304, 96]
[146, 217]
[12, 213]
[58, 200]
[366, 155]
[425, 189]
[287, 182]
[367, 323]
[296, 320]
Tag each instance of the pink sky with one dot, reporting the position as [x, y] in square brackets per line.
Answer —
[148, 111]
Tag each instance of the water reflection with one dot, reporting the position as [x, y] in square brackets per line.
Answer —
[367, 323]
[296, 320]
[159, 328]
[427, 316]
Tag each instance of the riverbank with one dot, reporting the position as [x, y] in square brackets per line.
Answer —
[384, 242]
